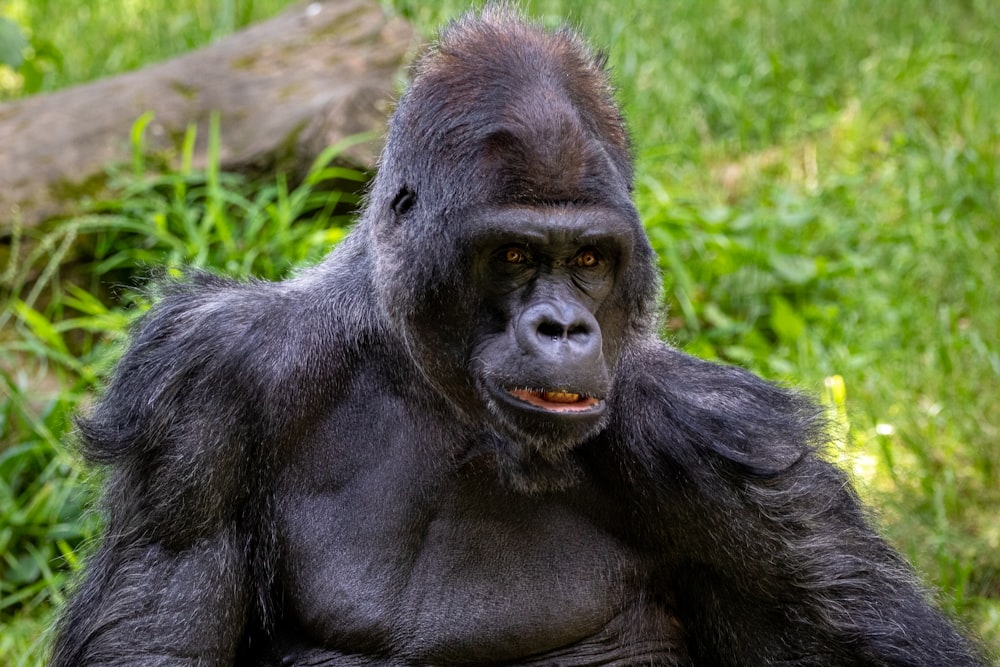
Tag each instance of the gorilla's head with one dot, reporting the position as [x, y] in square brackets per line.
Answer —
[510, 258]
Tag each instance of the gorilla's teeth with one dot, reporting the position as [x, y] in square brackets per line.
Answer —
[560, 396]
[556, 400]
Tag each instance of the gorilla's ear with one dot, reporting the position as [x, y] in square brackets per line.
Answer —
[404, 200]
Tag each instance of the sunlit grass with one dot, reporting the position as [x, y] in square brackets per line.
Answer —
[80, 41]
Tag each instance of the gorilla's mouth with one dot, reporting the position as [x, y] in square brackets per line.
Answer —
[556, 400]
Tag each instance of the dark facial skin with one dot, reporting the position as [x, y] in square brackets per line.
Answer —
[544, 275]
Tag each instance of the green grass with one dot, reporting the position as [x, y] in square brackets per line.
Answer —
[820, 180]
[71, 42]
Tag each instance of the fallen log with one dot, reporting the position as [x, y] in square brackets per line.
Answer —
[284, 89]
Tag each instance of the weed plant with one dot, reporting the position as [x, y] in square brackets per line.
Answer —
[820, 180]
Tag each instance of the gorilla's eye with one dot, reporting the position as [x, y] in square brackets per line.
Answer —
[513, 255]
[588, 259]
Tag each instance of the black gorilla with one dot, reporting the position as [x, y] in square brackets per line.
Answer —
[458, 439]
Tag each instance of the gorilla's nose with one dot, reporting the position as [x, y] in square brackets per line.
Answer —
[568, 333]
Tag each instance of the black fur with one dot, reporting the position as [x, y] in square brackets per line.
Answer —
[338, 469]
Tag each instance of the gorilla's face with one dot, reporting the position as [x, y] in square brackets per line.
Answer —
[517, 314]
[543, 275]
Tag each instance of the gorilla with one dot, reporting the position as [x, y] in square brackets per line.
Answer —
[459, 440]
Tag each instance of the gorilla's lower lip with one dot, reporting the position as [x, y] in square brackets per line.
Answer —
[556, 400]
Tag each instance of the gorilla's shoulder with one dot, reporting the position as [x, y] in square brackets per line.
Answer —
[699, 411]
[213, 348]
[246, 329]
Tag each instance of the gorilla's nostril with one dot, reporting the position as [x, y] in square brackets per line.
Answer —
[551, 329]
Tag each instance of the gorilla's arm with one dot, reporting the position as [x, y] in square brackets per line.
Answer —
[768, 551]
[188, 430]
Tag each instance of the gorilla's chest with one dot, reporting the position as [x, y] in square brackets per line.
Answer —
[387, 549]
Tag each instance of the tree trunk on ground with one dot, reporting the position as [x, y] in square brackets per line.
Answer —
[284, 90]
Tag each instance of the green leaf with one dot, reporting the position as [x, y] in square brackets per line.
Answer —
[785, 322]
[796, 269]
[138, 141]
[40, 327]
[12, 43]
